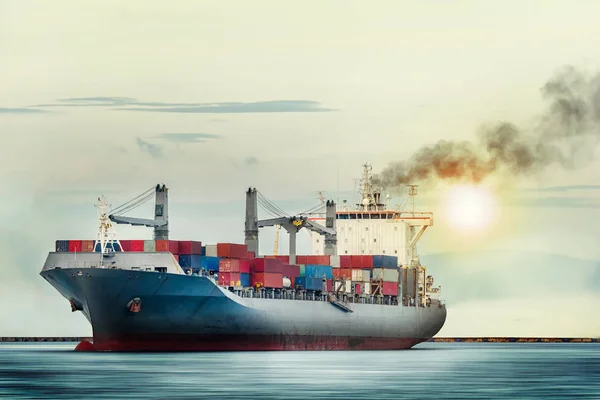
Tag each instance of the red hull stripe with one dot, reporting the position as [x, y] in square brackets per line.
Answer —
[245, 343]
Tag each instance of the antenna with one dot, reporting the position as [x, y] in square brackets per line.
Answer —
[412, 192]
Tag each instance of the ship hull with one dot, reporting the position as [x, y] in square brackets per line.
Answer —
[188, 313]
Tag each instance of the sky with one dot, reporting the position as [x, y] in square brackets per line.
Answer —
[210, 98]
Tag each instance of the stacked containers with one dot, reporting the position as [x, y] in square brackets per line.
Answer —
[309, 283]
[209, 263]
[318, 260]
[386, 271]
[291, 272]
[74, 246]
[62, 246]
[318, 271]
[171, 246]
[267, 272]
[190, 255]
[136, 245]
[232, 250]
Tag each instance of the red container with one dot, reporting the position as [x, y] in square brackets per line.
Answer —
[291, 271]
[75, 246]
[136, 245]
[390, 289]
[270, 265]
[342, 273]
[188, 247]
[345, 261]
[87, 246]
[234, 265]
[171, 246]
[317, 260]
[230, 279]
[125, 245]
[357, 288]
[251, 255]
[232, 250]
[362, 261]
[266, 279]
[176, 257]
[329, 285]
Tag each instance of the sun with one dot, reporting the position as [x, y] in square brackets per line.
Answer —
[469, 208]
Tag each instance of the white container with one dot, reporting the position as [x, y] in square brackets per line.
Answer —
[149, 246]
[357, 275]
[366, 275]
[334, 261]
[388, 275]
[366, 287]
[211, 250]
[348, 287]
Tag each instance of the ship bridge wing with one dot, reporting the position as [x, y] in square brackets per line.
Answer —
[151, 223]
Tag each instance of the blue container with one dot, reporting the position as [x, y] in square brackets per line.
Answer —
[381, 261]
[203, 251]
[62, 246]
[245, 280]
[390, 262]
[308, 283]
[193, 261]
[317, 271]
[115, 247]
[210, 263]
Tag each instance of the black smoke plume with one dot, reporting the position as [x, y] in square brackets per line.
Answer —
[570, 123]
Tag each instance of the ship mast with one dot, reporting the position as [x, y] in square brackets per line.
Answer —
[106, 236]
[370, 198]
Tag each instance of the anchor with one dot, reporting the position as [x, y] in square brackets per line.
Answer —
[134, 305]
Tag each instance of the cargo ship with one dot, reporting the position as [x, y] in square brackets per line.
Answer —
[362, 288]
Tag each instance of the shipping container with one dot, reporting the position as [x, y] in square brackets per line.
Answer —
[87, 246]
[234, 265]
[357, 288]
[136, 245]
[317, 271]
[211, 250]
[245, 279]
[62, 246]
[382, 261]
[125, 245]
[232, 250]
[75, 246]
[313, 259]
[366, 275]
[251, 255]
[190, 247]
[203, 251]
[342, 273]
[309, 283]
[271, 265]
[348, 286]
[345, 261]
[210, 263]
[388, 275]
[390, 288]
[230, 279]
[361, 261]
[171, 246]
[291, 271]
[366, 287]
[302, 269]
[334, 261]
[357, 275]
[266, 279]
[149, 246]
[190, 261]
[329, 285]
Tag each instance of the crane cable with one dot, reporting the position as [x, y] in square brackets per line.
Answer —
[135, 202]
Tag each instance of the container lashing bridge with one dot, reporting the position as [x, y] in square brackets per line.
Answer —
[292, 224]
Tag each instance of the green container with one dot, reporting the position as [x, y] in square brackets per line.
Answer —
[302, 270]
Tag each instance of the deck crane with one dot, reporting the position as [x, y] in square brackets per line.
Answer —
[160, 223]
[292, 224]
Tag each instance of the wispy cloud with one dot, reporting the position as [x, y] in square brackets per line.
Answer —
[132, 104]
[251, 160]
[21, 110]
[566, 188]
[187, 137]
[154, 150]
[558, 202]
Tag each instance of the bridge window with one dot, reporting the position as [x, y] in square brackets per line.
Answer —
[395, 228]
[374, 240]
[395, 251]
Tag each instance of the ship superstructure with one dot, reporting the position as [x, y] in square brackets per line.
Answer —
[165, 294]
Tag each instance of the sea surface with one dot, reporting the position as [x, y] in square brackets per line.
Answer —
[428, 371]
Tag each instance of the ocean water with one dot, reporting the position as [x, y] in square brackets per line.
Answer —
[428, 371]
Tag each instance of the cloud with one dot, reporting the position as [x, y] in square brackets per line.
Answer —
[125, 103]
[187, 137]
[565, 188]
[251, 160]
[154, 150]
[557, 202]
[21, 110]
